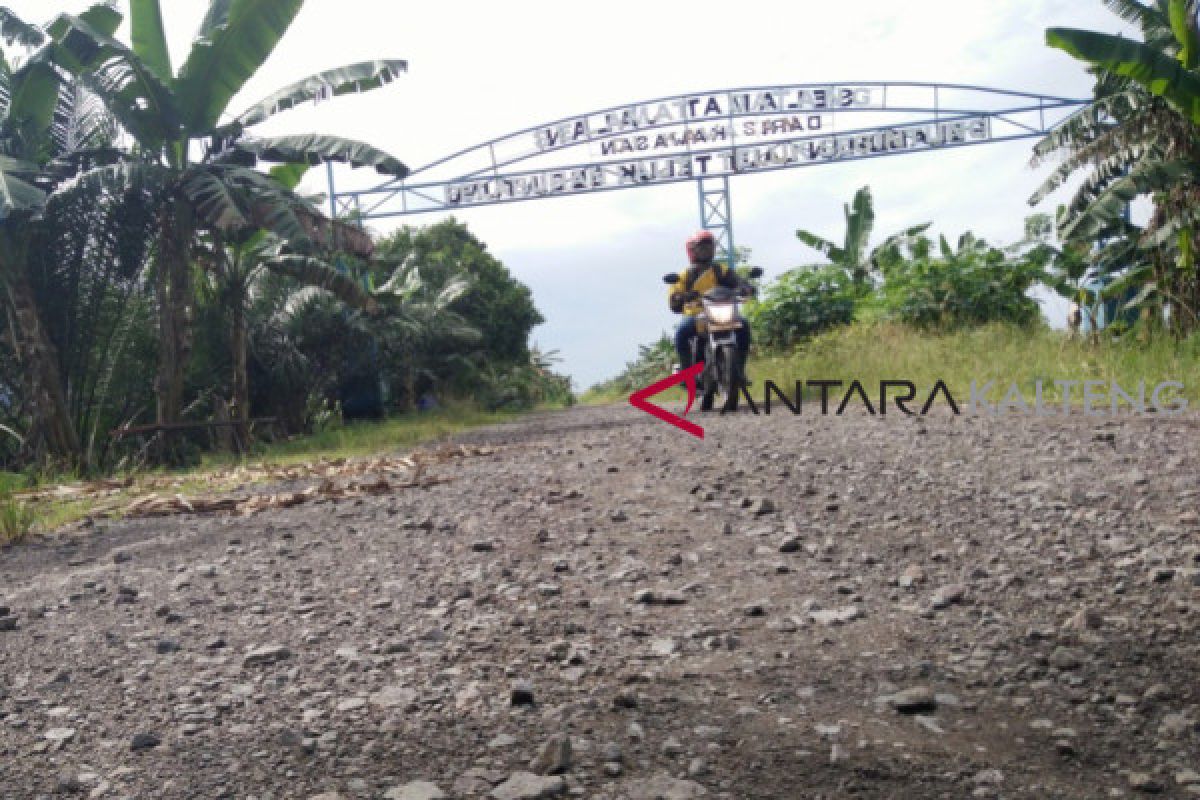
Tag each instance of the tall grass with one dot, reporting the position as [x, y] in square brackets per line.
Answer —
[1005, 354]
[871, 352]
[373, 437]
[13, 481]
[17, 519]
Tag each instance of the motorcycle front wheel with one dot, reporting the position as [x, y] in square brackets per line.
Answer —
[709, 384]
[727, 376]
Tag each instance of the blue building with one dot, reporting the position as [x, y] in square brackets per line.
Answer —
[1100, 313]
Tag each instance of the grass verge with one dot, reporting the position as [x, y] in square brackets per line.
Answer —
[1005, 354]
[368, 438]
[604, 397]
[1002, 354]
[218, 473]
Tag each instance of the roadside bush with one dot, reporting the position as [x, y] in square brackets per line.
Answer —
[971, 286]
[520, 387]
[802, 303]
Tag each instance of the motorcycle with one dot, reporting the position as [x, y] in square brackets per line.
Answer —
[715, 342]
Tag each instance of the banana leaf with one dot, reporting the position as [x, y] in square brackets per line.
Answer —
[16, 31]
[1182, 15]
[149, 38]
[1088, 217]
[236, 38]
[17, 196]
[217, 204]
[826, 247]
[116, 179]
[319, 274]
[1092, 120]
[132, 92]
[215, 18]
[316, 149]
[351, 79]
[1138, 13]
[34, 90]
[1111, 167]
[101, 17]
[1179, 220]
[289, 175]
[1140, 277]
[272, 207]
[860, 222]
[1144, 294]
[1157, 72]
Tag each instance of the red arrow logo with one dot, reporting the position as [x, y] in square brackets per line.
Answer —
[639, 399]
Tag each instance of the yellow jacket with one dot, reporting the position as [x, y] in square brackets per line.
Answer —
[700, 278]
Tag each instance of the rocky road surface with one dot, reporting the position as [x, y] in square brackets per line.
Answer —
[604, 607]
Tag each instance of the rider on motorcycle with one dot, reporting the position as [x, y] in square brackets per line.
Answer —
[701, 275]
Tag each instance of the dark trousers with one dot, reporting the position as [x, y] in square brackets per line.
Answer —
[687, 329]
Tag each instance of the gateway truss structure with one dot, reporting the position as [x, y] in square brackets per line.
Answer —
[707, 138]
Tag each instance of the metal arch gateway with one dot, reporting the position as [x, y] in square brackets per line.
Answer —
[709, 137]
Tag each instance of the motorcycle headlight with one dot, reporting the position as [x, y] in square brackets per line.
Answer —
[721, 314]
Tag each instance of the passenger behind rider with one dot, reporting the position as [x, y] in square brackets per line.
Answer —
[701, 275]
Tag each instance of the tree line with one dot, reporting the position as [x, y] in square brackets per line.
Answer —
[160, 271]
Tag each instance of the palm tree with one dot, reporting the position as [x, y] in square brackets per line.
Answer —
[204, 166]
[304, 344]
[43, 138]
[1138, 137]
[236, 265]
[235, 269]
[421, 319]
[853, 255]
[93, 290]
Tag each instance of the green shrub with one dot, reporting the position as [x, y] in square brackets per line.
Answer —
[1000, 352]
[802, 303]
[17, 519]
[971, 286]
[519, 387]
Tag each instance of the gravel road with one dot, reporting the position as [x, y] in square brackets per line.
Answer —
[599, 606]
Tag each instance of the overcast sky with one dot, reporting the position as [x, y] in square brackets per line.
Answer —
[483, 69]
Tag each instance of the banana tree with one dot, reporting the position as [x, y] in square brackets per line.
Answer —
[1164, 67]
[203, 158]
[853, 255]
[1139, 137]
[38, 147]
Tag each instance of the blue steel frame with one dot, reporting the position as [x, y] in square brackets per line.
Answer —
[716, 215]
[713, 191]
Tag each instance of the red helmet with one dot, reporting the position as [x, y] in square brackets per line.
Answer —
[701, 246]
